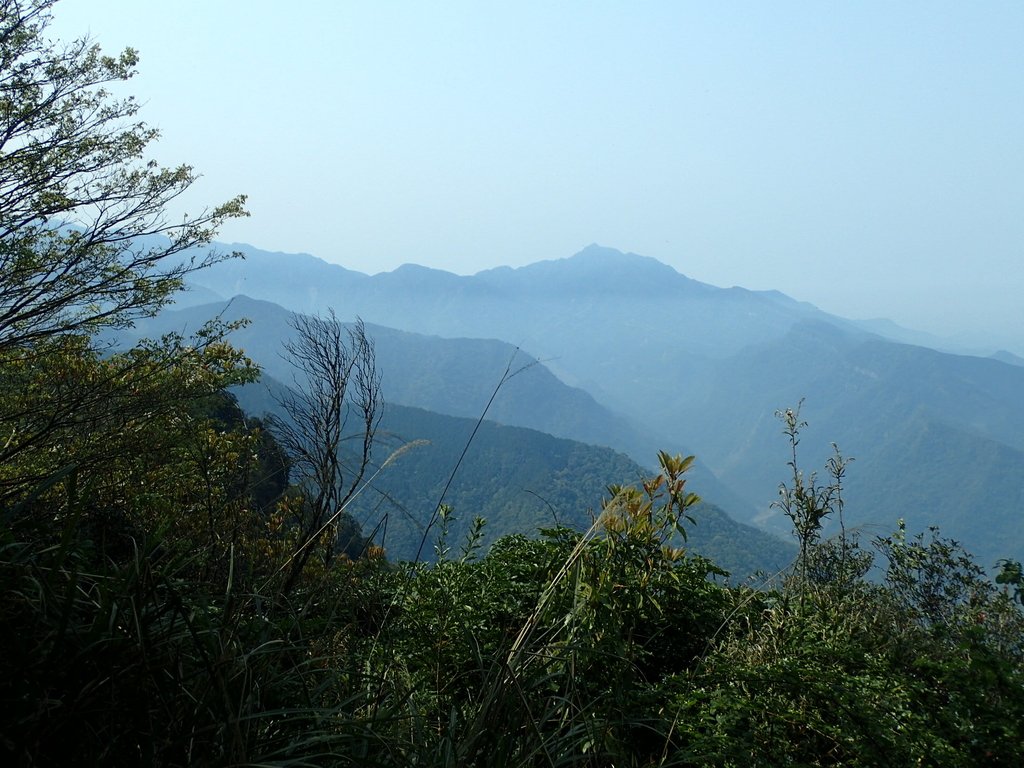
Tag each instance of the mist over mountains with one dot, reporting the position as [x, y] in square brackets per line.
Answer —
[646, 357]
[543, 457]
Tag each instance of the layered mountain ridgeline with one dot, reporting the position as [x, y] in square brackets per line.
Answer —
[710, 366]
[456, 377]
[938, 439]
[600, 319]
[518, 480]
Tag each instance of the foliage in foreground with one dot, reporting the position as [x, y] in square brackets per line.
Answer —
[136, 634]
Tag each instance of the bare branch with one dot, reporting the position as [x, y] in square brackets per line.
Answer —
[336, 401]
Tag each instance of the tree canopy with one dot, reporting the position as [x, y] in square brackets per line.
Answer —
[79, 199]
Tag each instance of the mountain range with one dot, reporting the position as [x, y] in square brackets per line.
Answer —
[518, 479]
[662, 360]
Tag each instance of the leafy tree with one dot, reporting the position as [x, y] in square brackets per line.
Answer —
[807, 503]
[67, 404]
[122, 506]
[79, 202]
[85, 243]
[1011, 574]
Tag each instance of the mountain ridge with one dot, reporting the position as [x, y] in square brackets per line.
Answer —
[455, 377]
[710, 366]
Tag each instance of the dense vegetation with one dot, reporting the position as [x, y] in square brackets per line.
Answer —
[168, 598]
[148, 620]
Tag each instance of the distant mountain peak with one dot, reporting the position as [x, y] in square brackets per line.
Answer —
[603, 255]
[596, 249]
[595, 270]
[417, 273]
[413, 269]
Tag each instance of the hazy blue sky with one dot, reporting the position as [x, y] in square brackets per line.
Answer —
[864, 156]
